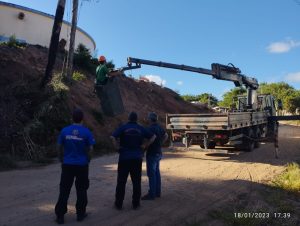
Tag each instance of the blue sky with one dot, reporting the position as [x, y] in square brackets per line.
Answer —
[261, 37]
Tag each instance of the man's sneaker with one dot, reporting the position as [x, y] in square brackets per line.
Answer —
[147, 197]
[60, 220]
[118, 206]
[136, 206]
[81, 217]
[158, 196]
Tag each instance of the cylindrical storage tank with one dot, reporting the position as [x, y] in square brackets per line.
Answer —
[35, 27]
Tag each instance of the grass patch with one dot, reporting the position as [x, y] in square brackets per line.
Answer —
[289, 180]
[14, 43]
[58, 86]
[77, 76]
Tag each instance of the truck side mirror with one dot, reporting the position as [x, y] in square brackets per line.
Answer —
[279, 104]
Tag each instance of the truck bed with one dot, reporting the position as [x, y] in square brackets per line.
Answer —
[215, 121]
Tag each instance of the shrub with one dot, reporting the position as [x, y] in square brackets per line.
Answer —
[77, 76]
[290, 179]
[83, 59]
[13, 42]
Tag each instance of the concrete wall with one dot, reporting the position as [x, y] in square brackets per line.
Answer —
[36, 27]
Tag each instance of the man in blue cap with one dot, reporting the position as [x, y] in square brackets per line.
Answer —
[75, 144]
[131, 144]
[153, 158]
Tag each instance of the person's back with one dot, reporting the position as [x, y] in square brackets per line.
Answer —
[131, 137]
[76, 140]
[155, 147]
[153, 157]
[75, 143]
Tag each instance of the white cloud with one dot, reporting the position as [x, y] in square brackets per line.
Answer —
[180, 83]
[157, 79]
[293, 77]
[282, 47]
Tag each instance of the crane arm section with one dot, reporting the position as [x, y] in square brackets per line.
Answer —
[217, 71]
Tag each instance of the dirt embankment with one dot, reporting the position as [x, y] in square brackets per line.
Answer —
[24, 105]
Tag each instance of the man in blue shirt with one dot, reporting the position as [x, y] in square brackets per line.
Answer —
[75, 144]
[153, 158]
[131, 144]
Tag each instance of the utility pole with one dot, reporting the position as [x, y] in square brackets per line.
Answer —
[54, 41]
[72, 39]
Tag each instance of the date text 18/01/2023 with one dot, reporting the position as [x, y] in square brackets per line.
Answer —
[262, 215]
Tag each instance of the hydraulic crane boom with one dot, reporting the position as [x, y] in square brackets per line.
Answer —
[217, 71]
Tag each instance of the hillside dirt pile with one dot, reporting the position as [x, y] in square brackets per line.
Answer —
[24, 105]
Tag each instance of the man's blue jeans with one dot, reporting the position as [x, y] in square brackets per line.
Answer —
[153, 174]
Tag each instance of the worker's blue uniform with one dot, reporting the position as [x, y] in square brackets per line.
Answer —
[131, 137]
[76, 140]
[153, 158]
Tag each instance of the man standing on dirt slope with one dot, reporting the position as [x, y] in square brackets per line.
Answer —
[75, 144]
[102, 72]
[131, 152]
[153, 158]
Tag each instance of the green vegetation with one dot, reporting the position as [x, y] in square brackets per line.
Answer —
[50, 117]
[204, 98]
[289, 95]
[289, 180]
[280, 201]
[230, 97]
[77, 76]
[14, 43]
[84, 60]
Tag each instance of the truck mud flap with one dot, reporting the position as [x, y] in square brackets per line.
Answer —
[110, 98]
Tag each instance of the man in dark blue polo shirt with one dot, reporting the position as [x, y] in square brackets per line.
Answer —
[131, 139]
[153, 158]
[75, 143]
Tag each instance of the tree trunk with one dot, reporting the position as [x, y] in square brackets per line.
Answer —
[72, 39]
[54, 41]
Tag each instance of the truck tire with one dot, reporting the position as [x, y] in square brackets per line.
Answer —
[257, 136]
[249, 146]
[210, 145]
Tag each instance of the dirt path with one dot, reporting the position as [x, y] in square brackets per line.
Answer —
[193, 183]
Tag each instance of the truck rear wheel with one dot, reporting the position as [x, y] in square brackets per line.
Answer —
[249, 146]
[257, 136]
[248, 142]
[210, 145]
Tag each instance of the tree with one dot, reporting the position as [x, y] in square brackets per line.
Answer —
[72, 39]
[231, 96]
[208, 99]
[205, 98]
[54, 41]
[283, 91]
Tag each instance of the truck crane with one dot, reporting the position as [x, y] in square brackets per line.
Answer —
[254, 119]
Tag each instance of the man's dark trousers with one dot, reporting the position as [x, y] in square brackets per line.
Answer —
[134, 168]
[69, 172]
